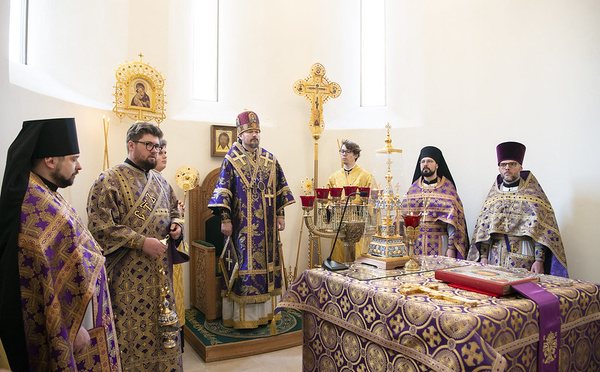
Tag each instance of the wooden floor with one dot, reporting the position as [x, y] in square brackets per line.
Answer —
[289, 359]
[214, 353]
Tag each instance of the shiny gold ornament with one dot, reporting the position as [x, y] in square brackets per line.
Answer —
[317, 89]
[187, 178]
[139, 92]
[168, 321]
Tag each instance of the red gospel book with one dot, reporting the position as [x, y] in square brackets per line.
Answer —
[487, 278]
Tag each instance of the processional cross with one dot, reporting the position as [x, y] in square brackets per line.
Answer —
[317, 89]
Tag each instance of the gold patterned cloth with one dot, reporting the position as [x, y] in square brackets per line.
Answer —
[125, 206]
[440, 206]
[358, 177]
[371, 325]
[62, 274]
[508, 217]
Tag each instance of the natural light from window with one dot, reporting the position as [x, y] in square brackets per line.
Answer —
[372, 53]
[17, 44]
[205, 47]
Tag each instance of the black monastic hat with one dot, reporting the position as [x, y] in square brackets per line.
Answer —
[436, 154]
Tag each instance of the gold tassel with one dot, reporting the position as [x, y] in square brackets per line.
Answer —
[273, 327]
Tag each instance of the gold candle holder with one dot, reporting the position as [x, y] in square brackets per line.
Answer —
[105, 125]
[308, 202]
[411, 233]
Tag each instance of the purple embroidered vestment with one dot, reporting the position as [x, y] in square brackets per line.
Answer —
[512, 215]
[125, 206]
[62, 273]
[252, 193]
[440, 206]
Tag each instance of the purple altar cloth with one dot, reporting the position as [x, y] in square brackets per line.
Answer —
[370, 325]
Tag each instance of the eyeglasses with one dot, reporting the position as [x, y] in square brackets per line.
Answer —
[345, 152]
[150, 146]
[508, 164]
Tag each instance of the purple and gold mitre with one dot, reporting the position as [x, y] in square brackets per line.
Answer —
[247, 120]
[510, 151]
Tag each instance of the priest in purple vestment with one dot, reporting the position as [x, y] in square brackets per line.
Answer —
[433, 195]
[54, 300]
[517, 227]
[250, 197]
[131, 209]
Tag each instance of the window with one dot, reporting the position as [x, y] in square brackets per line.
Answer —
[205, 50]
[372, 53]
[17, 42]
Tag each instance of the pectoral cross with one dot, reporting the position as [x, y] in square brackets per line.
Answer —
[317, 89]
[432, 291]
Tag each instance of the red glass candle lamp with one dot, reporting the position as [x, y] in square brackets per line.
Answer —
[322, 194]
[349, 190]
[411, 220]
[364, 191]
[411, 233]
[307, 202]
[336, 193]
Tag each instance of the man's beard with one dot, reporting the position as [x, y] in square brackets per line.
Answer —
[427, 172]
[61, 181]
[508, 179]
[147, 164]
[253, 144]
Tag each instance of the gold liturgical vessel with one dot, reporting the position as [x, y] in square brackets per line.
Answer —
[387, 250]
[168, 320]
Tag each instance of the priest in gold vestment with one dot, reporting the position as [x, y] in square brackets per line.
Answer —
[130, 209]
[351, 174]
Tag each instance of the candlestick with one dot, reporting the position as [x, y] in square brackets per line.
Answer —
[105, 125]
[411, 233]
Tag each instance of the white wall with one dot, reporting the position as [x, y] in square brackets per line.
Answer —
[465, 76]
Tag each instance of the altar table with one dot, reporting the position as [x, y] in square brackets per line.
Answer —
[368, 325]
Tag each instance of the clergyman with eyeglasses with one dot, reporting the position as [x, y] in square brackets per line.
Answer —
[130, 210]
[517, 227]
[351, 174]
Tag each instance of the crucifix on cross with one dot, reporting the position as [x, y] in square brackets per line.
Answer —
[317, 89]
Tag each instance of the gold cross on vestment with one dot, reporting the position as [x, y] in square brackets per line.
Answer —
[317, 89]
[267, 161]
[228, 260]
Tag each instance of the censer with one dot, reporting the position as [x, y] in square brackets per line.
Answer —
[167, 318]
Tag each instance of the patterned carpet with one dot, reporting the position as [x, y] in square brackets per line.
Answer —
[212, 341]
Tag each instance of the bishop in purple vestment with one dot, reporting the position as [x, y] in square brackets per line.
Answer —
[250, 196]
